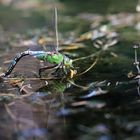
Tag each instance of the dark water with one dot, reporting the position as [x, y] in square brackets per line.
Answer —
[102, 104]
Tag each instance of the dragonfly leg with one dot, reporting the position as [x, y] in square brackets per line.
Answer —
[45, 68]
[59, 71]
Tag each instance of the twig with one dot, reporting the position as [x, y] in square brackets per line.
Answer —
[51, 78]
[56, 29]
[85, 57]
[93, 64]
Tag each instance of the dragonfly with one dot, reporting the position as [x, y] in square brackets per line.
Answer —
[54, 57]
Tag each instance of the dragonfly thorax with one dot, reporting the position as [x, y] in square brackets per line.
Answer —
[67, 62]
[68, 68]
[53, 58]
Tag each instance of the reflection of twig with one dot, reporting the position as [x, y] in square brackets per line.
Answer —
[83, 87]
[136, 63]
[138, 89]
[9, 112]
[17, 119]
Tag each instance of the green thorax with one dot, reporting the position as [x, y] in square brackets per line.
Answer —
[56, 58]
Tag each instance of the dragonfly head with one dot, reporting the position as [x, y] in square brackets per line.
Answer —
[68, 67]
[67, 62]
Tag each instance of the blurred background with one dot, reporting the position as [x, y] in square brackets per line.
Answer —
[109, 108]
[35, 13]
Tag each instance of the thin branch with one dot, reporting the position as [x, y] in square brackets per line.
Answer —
[93, 64]
[34, 79]
[89, 56]
[56, 29]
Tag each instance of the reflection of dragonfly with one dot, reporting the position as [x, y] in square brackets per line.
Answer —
[58, 60]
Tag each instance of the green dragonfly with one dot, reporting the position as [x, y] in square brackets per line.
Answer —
[54, 57]
[57, 59]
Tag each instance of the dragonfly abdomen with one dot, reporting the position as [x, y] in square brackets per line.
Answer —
[53, 58]
[14, 62]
